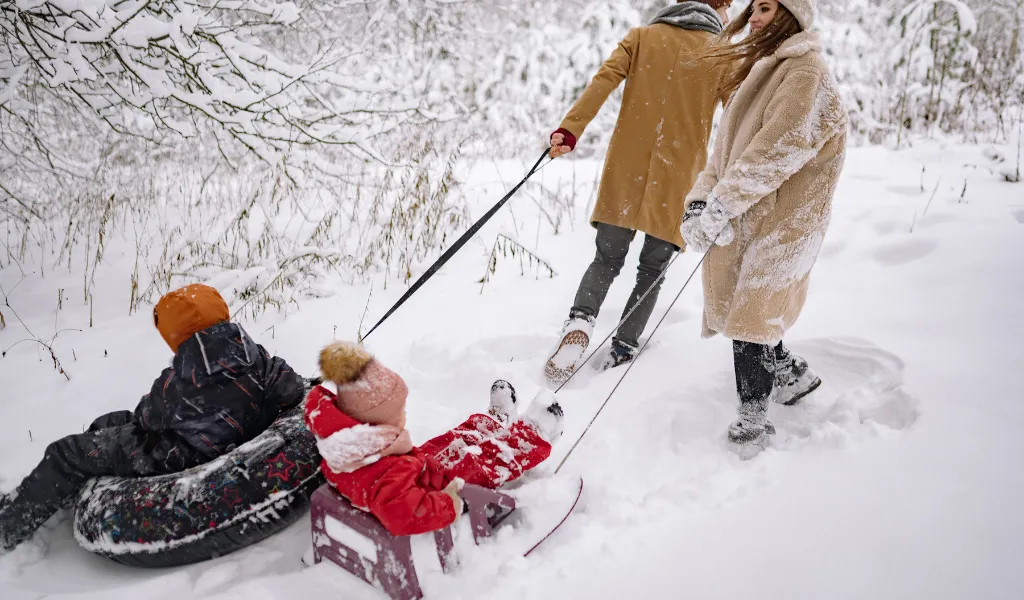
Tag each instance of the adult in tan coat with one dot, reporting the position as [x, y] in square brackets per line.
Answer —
[761, 206]
[658, 148]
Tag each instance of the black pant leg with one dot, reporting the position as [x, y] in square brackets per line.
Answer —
[612, 246]
[755, 371]
[68, 463]
[654, 257]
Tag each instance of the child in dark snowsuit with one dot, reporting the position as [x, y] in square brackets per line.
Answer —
[369, 458]
[221, 390]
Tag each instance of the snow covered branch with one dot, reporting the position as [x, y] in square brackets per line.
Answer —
[150, 68]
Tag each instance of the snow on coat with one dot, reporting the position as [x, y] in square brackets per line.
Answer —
[660, 140]
[483, 452]
[775, 166]
[404, 491]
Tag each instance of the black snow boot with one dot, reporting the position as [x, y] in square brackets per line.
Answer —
[755, 379]
[794, 378]
[619, 354]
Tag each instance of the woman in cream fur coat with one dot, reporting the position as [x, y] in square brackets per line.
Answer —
[762, 205]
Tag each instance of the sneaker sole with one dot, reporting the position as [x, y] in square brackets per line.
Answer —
[557, 374]
[803, 394]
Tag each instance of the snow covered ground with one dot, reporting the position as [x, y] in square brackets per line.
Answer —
[901, 478]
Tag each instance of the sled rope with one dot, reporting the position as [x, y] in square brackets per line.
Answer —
[623, 320]
[450, 252]
[633, 362]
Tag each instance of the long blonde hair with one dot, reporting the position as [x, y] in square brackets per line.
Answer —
[740, 57]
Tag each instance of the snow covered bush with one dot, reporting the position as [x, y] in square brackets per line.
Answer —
[933, 59]
[272, 147]
[927, 67]
[157, 69]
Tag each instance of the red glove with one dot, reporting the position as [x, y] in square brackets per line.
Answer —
[570, 139]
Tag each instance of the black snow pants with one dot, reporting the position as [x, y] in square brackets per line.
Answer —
[113, 445]
[756, 366]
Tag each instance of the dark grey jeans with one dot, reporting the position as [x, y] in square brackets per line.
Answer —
[612, 247]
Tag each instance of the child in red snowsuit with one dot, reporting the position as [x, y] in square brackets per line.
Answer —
[369, 458]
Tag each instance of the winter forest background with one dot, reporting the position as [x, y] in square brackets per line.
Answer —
[275, 146]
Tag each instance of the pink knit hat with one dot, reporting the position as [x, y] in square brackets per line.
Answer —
[368, 391]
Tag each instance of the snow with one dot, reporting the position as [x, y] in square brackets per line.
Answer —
[900, 478]
[351, 538]
[355, 447]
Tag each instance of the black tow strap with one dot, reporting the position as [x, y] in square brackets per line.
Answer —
[450, 252]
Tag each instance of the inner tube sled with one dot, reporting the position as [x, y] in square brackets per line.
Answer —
[238, 499]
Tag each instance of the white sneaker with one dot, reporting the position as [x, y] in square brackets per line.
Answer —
[569, 354]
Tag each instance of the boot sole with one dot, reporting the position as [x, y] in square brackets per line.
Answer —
[803, 394]
[557, 374]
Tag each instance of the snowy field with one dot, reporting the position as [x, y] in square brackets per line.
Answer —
[903, 477]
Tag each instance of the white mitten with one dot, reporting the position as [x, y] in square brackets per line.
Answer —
[692, 230]
[715, 222]
[452, 489]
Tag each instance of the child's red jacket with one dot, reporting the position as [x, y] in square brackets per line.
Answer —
[404, 492]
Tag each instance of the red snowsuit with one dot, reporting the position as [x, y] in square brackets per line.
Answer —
[404, 491]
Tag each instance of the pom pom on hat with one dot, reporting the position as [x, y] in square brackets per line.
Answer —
[368, 391]
[342, 362]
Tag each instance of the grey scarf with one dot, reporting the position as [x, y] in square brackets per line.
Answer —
[690, 15]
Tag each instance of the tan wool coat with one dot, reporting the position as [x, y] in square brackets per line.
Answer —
[660, 140]
[775, 165]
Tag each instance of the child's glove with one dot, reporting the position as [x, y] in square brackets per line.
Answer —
[452, 489]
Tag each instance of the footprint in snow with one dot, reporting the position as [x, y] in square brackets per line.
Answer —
[678, 435]
[862, 395]
[904, 251]
[1019, 215]
[681, 314]
[886, 226]
[833, 248]
[905, 190]
[934, 219]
